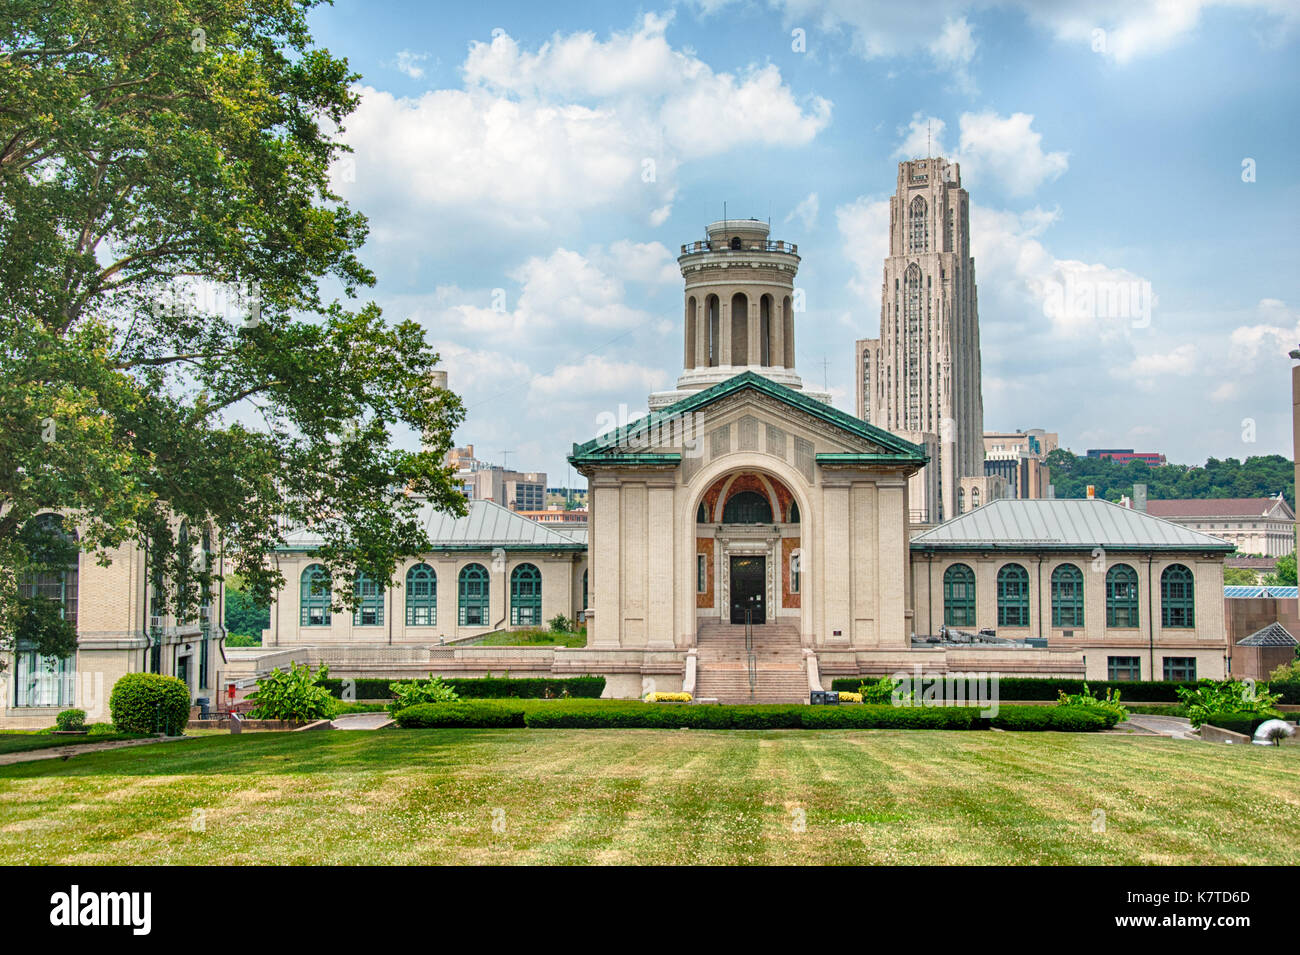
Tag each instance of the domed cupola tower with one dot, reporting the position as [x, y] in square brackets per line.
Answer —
[739, 309]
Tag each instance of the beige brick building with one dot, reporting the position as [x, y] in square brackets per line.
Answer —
[1256, 525]
[117, 633]
[1137, 597]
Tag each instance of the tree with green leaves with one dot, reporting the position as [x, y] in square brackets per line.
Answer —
[168, 353]
[1285, 574]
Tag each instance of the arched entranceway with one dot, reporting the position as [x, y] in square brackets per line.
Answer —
[748, 536]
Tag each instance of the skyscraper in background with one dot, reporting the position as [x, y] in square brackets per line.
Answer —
[920, 378]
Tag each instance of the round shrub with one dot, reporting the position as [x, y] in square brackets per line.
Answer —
[150, 703]
[71, 720]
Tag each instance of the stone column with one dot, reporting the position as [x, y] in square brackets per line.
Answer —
[755, 342]
[724, 331]
[787, 322]
[776, 328]
[603, 582]
[660, 623]
[701, 333]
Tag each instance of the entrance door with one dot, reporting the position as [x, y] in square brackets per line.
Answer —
[748, 583]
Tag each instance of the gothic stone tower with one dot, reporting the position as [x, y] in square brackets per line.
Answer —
[921, 377]
[739, 309]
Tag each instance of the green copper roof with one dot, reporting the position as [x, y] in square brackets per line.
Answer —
[1062, 525]
[896, 450]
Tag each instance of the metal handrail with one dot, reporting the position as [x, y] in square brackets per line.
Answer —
[751, 657]
[770, 245]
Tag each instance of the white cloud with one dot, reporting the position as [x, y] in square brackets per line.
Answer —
[1001, 150]
[1008, 151]
[864, 225]
[806, 211]
[408, 63]
[954, 49]
[536, 138]
[1182, 360]
[595, 376]
[1275, 334]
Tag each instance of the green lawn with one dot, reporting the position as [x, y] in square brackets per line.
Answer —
[531, 638]
[657, 796]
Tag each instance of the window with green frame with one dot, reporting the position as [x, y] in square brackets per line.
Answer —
[314, 597]
[1013, 596]
[747, 507]
[959, 596]
[1067, 596]
[370, 601]
[472, 594]
[421, 596]
[1177, 597]
[584, 590]
[59, 586]
[1123, 668]
[1180, 668]
[42, 680]
[525, 596]
[1122, 597]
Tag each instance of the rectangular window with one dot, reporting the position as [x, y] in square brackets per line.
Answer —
[43, 681]
[1180, 668]
[701, 574]
[794, 573]
[1123, 668]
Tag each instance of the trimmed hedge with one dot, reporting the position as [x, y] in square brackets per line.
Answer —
[482, 688]
[1243, 723]
[1135, 691]
[560, 714]
[150, 703]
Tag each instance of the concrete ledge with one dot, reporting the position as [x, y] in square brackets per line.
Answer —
[315, 725]
[1213, 734]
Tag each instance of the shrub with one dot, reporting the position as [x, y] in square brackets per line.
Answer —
[1062, 719]
[847, 696]
[1243, 723]
[71, 720]
[1227, 698]
[480, 714]
[486, 687]
[149, 703]
[296, 695]
[1109, 704]
[560, 624]
[1046, 689]
[410, 693]
[881, 691]
[658, 697]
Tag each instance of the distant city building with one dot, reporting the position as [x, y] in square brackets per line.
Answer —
[558, 515]
[1124, 455]
[565, 496]
[1256, 525]
[922, 374]
[973, 492]
[1035, 442]
[1027, 477]
[480, 481]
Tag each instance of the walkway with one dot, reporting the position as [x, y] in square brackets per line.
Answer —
[76, 749]
[362, 721]
[1174, 727]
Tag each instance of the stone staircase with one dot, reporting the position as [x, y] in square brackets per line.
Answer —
[723, 664]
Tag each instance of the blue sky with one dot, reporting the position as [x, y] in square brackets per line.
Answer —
[530, 171]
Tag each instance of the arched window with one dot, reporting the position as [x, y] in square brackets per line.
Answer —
[712, 310]
[690, 331]
[314, 597]
[1177, 597]
[918, 227]
[794, 512]
[739, 330]
[1067, 596]
[914, 362]
[701, 515]
[961, 500]
[974, 498]
[959, 596]
[526, 596]
[787, 331]
[1122, 597]
[473, 595]
[747, 507]
[421, 596]
[370, 605]
[735, 243]
[1013, 596]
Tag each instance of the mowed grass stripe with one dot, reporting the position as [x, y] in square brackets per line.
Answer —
[657, 796]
